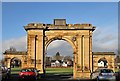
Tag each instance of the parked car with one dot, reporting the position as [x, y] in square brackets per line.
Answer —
[103, 74]
[5, 72]
[29, 73]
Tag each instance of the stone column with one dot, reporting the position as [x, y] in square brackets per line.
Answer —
[8, 63]
[75, 65]
[91, 55]
[23, 64]
[83, 52]
[75, 54]
[40, 52]
[86, 53]
[80, 51]
[30, 51]
[36, 47]
[113, 63]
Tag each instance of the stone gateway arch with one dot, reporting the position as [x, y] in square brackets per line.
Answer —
[40, 35]
[79, 36]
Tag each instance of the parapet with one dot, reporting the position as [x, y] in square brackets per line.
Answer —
[59, 24]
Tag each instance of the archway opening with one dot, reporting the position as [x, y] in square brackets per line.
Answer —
[102, 63]
[15, 62]
[59, 59]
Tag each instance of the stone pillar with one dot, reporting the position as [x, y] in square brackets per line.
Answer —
[79, 57]
[80, 61]
[30, 51]
[36, 46]
[75, 54]
[40, 52]
[86, 53]
[83, 52]
[113, 63]
[23, 60]
[75, 65]
[8, 63]
[90, 49]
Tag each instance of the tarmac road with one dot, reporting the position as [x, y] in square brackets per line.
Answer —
[51, 77]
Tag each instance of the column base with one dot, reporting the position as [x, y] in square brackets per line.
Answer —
[82, 75]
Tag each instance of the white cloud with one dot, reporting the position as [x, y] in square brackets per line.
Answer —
[105, 39]
[19, 43]
[59, 46]
[56, 43]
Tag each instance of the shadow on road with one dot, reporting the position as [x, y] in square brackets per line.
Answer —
[51, 77]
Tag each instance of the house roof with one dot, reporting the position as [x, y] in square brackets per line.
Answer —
[56, 60]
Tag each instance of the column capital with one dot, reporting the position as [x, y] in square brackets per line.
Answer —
[86, 36]
[81, 36]
[31, 36]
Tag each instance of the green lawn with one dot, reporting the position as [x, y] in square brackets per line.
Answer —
[15, 70]
[51, 70]
[59, 70]
[48, 70]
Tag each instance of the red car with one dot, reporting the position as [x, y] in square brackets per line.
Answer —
[29, 73]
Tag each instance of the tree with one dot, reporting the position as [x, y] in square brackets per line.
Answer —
[57, 56]
[67, 58]
[69, 61]
[48, 61]
[11, 49]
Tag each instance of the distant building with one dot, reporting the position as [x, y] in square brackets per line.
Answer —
[48, 61]
[60, 63]
[14, 58]
[56, 63]
[64, 64]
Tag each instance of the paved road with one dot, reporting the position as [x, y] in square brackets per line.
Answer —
[50, 78]
[55, 77]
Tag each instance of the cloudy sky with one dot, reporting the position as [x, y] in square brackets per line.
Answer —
[103, 15]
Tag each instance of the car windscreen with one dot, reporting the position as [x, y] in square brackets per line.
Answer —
[27, 70]
[106, 71]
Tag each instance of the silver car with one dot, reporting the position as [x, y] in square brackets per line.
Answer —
[103, 74]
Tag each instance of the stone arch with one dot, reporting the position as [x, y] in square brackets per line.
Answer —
[102, 62]
[109, 56]
[78, 35]
[63, 38]
[68, 40]
[15, 62]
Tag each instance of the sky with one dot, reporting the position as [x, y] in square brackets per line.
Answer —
[60, 0]
[119, 26]
[103, 15]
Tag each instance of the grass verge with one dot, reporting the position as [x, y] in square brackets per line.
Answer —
[48, 70]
